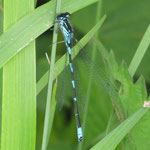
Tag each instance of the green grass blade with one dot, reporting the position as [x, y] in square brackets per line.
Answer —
[35, 3]
[19, 91]
[113, 138]
[31, 26]
[1, 17]
[52, 112]
[50, 82]
[141, 50]
[1, 31]
[59, 64]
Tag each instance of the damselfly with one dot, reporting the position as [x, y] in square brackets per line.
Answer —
[68, 35]
[98, 75]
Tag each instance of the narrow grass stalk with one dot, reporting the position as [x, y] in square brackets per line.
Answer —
[141, 50]
[109, 122]
[50, 83]
[35, 3]
[52, 112]
[1, 31]
[1, 16]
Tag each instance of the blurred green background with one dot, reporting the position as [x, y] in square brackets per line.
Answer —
[122, 31]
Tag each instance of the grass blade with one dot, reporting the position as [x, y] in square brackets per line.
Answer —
[1, 17]
[50, 82]
[141, 50]
[1, 31]
[19, 79]
[113, 138]
[52, 112]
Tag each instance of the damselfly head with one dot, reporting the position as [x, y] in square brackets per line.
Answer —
[63, 16]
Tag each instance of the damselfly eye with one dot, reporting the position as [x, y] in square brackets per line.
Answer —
[63, 16]
[59, 17]
[67, 15]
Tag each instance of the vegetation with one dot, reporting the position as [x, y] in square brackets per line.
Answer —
[117, 35]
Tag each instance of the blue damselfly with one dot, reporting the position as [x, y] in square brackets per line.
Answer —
[68, 35]
[99, 75]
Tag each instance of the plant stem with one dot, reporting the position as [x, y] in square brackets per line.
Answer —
[50, 83]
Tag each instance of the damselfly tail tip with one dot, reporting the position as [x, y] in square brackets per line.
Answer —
[80, 139]
[80, 134]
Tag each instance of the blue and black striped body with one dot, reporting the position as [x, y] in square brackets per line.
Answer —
[68, 35]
